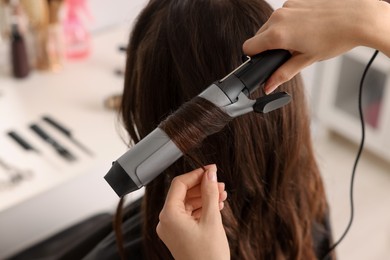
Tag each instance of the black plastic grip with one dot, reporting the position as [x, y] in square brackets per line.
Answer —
[119, 180]
[261, 67]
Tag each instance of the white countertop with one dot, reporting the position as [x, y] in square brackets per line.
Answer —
[61, 193]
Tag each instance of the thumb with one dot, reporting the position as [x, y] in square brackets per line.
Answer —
[210, 196]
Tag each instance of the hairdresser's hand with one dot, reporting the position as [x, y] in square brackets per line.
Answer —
[316, 30]
[190, 222]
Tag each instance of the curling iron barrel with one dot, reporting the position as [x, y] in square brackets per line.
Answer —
[156, 152]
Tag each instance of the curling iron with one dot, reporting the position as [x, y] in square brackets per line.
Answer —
[156, 152]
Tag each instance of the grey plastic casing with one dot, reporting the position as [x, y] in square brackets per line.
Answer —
[156, 152]
[143, 162]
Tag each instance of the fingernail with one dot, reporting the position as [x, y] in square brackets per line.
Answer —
[212, 175]
[269, 89]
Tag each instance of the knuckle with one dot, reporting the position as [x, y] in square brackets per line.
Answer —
[163, 216]
[276, 36]
[286, 4]
[176, 181]
[290, 3]
[166, 215]
[283, 76]
[158, 230]
[278, 15]
[161, 231]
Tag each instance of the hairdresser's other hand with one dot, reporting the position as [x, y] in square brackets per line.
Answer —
[190, 222]
[317, 30]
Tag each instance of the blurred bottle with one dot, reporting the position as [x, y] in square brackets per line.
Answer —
[4, 38]
[55, 42]
[19, 57]
[77, 38]
[38, 16]
[20, 66]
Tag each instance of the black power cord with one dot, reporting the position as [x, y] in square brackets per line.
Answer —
[363, 128]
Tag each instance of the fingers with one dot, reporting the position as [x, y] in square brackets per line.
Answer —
[174, 206]
[197, 214]
[182, 183]
[193, 204]
[195, 192]
[257, 44]
[210, 197]
[286, 72]
[269, 37]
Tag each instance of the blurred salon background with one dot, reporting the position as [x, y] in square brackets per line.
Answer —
[61, 77]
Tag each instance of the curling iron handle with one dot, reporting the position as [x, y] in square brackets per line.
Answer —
[143, 162]
[261, 67]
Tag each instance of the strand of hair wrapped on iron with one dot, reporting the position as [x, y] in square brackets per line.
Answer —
[193, 122]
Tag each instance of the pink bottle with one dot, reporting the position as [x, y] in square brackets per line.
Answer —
[76, 36]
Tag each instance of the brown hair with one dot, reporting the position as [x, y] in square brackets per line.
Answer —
[179, 47]
[193, 122]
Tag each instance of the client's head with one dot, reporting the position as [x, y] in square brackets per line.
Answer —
[178, 48]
